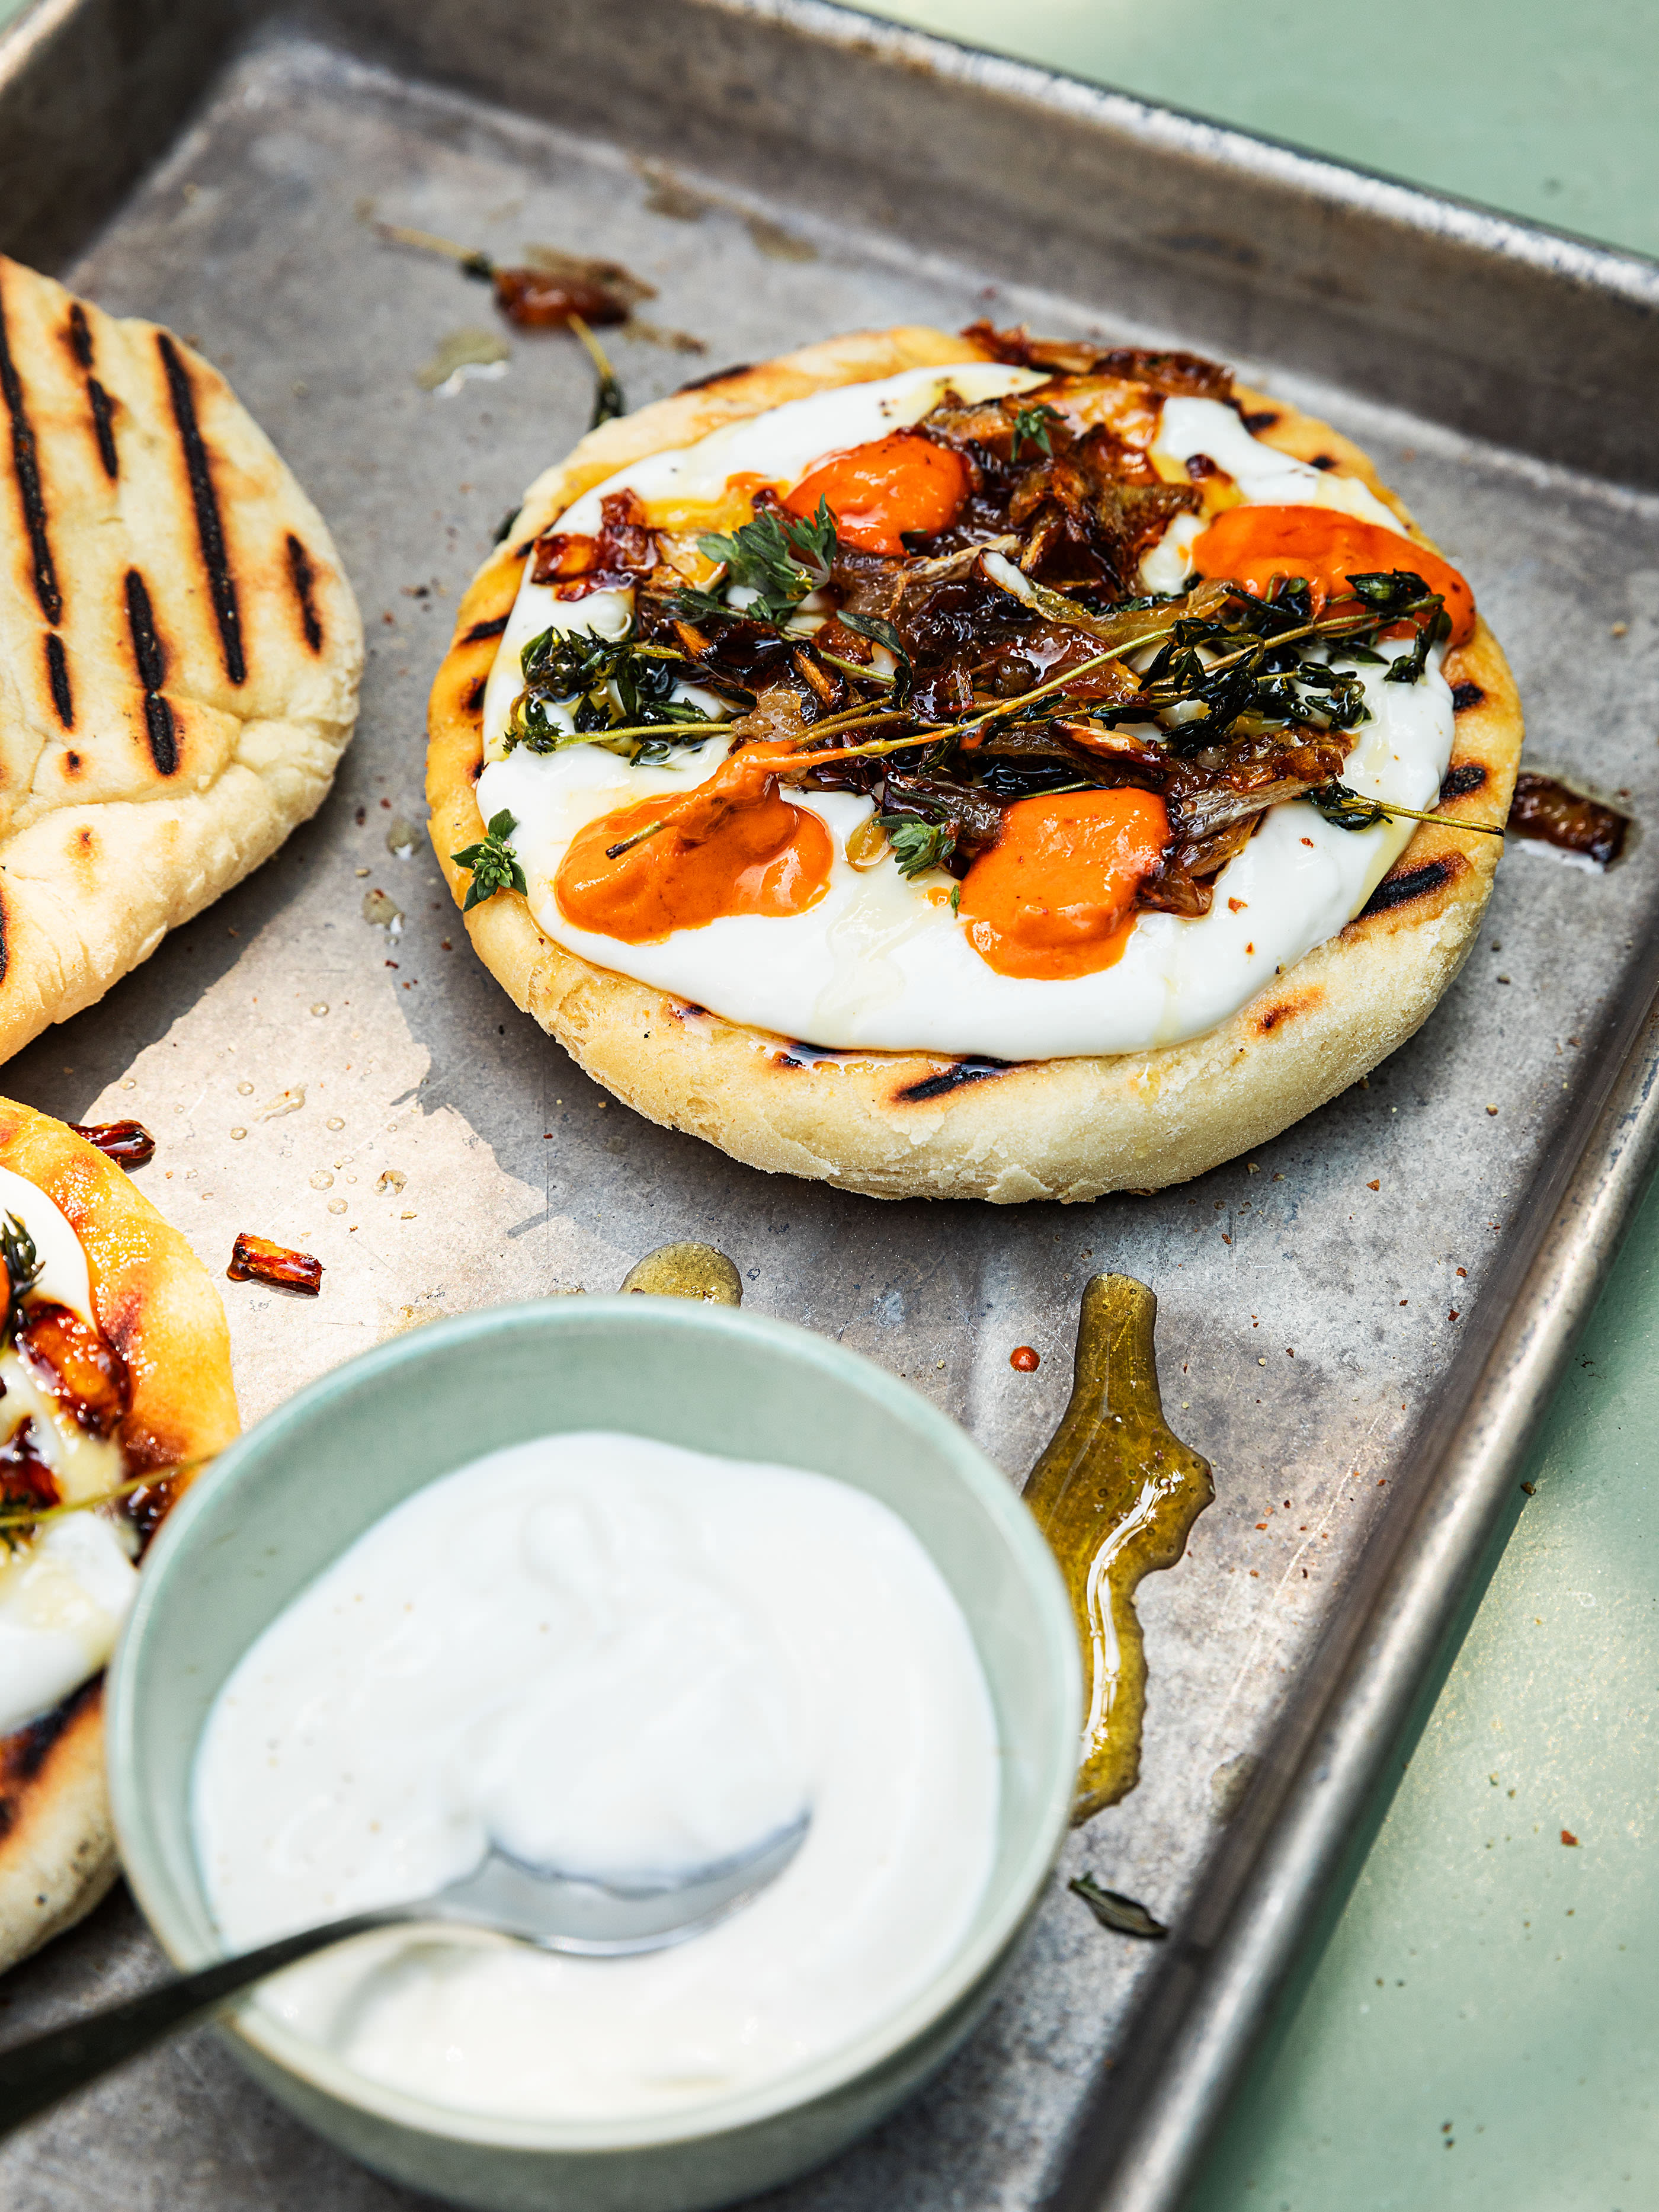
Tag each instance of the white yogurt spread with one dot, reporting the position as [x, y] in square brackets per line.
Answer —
[610, 1654]
[64, 1595]
[876, 963]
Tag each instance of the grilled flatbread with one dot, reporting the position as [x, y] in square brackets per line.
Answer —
[899, 1124]
[157, 1312]
[180, 649]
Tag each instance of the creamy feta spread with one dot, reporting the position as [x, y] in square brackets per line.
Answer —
[609, 1655]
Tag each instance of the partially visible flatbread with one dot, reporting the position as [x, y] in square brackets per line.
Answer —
[915, 1125]
[180, 649]
[154, 1301]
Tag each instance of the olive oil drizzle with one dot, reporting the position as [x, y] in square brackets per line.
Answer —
[686, 1271]
[1115, 1493]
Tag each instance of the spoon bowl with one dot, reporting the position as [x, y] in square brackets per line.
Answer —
[554, 1911]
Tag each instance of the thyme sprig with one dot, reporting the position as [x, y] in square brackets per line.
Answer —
[918, 845]
[609, 400]
[494, 863]
[17, 1522]
[1347, 810]
[783, 558]
[1031, 429]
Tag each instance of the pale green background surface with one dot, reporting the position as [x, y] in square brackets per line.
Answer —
[1481, 1973]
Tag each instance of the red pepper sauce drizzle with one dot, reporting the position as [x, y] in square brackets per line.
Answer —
[734, 845]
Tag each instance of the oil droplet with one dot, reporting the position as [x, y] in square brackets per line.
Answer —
[245, 1090]
[337, 1204]
[322, 1180]
[686, 1271]
[1116, 1494]
[239, 1133]
[321, 1006]
[334, 1123]
[1025, 1359]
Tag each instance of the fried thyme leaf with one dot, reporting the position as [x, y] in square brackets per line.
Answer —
[782, 556]
[493, 864]
[1124, 1916]
[23, 1266]
[884, 633]
[606, 684]
[1346, 808]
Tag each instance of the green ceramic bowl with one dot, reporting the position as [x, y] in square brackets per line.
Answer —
[289, 1497]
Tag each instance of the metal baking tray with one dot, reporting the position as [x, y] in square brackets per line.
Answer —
[213, 167]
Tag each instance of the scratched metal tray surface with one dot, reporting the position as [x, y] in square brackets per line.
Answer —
[1358, 1323]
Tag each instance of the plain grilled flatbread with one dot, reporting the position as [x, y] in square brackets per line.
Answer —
[920, 1125]
[154, 1301]
[180, 649]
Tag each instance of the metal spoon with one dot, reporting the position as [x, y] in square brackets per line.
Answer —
[555, 1912]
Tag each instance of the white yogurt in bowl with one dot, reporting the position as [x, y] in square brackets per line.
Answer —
[622, 1658]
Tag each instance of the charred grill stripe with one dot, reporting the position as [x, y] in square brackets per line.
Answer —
[160, 729]
[148, 654]
[57, 677]
[1465, 777]
[23, 1753]
[1465, 696]
[209, 525]
[473, 702]
[79, 336]
[1415, 884]
[951, 1079]
[151, 658]
[481, 630]
[103, 428]
[25, 463]
[303, 577]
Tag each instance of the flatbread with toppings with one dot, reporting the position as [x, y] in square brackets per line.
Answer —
[972, 767]
[180, 649]
[115, 1359]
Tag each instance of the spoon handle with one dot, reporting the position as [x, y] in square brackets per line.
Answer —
[36, 2073]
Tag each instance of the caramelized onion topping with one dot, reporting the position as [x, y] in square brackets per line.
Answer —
[129, 1144]
[26, 1480]
[257, 1259]
[77, 1364]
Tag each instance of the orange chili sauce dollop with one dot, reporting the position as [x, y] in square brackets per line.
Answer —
[1054, 896]
[1251, 545]
[895, 484]
[731, 846]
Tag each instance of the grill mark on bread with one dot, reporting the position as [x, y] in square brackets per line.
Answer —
[715, 376]
[1283, 1010]
[78, 336]
[481, 630]
[472, 702]
[1465, 777]
[209, 525]
[58, 679]
[103, 427]
[1415, 884]
[26, 1751]
[948, 1080]
[25, 466]
[151, 658]
[303, 577]
[1465, 695]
